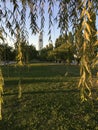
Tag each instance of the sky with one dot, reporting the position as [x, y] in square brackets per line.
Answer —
[55, 32]
[33, 39]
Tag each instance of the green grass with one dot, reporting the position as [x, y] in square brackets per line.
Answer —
[50, 100]
[40, 70]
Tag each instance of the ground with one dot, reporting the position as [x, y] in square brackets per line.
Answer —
[50, 99]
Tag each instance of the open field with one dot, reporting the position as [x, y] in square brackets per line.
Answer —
[50, 99]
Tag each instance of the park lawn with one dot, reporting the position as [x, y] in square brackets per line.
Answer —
[50, 99]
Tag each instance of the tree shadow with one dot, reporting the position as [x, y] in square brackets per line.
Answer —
[43, 92]
[39, 80]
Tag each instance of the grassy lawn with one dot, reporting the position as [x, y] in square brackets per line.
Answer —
[50, 99]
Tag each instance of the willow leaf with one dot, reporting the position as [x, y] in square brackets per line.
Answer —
[87, 36]
[86, 85]
[96, 43]
[88, 15]
[86, 66]
[88, 27]
[83, 13]
[1, 35]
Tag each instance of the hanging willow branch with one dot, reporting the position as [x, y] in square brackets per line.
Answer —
[33, 16]
[19, 89]
[19, 55]
[50, 12]
[63, 16]
[1, 78]
[42, 12]
[85, 82]
[95, 61]
[1, 92]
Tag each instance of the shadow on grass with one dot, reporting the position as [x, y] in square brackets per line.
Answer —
[10, 82]
[44, 92]
[47, 92]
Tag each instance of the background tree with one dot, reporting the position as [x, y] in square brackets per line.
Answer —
[8, 53]
[31, 52]
[61, 40]
[63, 50]
[44, 54]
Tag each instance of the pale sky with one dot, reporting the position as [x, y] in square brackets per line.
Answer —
[33, 39]
[55, 32]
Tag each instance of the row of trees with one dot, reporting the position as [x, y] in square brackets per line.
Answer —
[63, 50]
[8, 53]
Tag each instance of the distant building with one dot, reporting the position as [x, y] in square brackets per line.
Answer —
[40, 41]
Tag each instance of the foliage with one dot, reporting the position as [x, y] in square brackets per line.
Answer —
[85, 82]
[7, 53]
[19, 55]
[19, 89]
[1, 92]
[1, 35]
[44, 54]
[29, 52]
[61, 40]
[63, 50]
